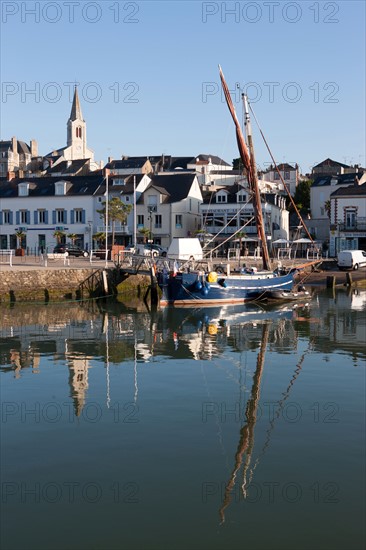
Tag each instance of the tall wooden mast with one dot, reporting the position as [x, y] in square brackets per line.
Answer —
[251, 170]
[253, 183]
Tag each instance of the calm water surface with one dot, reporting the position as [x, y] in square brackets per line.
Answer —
[239, 428]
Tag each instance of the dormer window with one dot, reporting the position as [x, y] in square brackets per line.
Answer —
[242, 197]
[23, 189]
[60, 188]
[221, 198]
[119, 181]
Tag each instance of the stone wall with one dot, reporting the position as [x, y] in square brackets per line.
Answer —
[46, 284]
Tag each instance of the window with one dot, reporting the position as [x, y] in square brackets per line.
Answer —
[6, 216]
[23, 190]
[287, 176]
[23, 216]
[78, 132]
[60, 188]
[140, 220]
[351, 219]
[276, 176]
[127, 198]
[42, 216]
[119, 181]
[78, 215]
[157, 221]
[152, 200]
[60, 216]
[221, 198]
[178, 221]
[242, 197]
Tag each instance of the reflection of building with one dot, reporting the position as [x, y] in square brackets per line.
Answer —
[78, 381]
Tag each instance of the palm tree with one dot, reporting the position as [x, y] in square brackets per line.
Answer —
[145, 232]
[72, 237]
[20, 236]
[58, 234]
[99, 237]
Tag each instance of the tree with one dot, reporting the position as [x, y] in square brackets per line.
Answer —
[302, 195]
[238, 164]
[72, 237]
[20, 236]
[58, 235]
[145, 232]
[117, 211]
[99, 237]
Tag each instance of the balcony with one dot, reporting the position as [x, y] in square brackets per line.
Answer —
[119, 228]
[359, 224]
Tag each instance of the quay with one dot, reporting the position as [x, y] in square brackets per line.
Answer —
[29, 280]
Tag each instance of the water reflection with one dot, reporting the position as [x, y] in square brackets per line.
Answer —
[212, 390]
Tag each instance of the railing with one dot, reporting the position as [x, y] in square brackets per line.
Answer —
[358, 225]
[118, 228]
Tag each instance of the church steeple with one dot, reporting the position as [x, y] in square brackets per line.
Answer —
[76, 113]
[76, 130]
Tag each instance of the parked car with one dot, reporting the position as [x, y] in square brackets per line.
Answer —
[71, 249]
[148, 249]
[351, 259]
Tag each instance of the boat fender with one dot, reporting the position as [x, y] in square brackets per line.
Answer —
[197, 286]
[222, 283]
[204, 291]
[212, 277]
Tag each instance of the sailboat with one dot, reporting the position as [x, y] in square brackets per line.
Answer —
[188, 287]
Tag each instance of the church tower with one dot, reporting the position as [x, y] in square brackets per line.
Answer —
[76, 131]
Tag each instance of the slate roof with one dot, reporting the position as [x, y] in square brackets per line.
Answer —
[22, 147]
[45, 186]
[129, 163]
[354, 190]
[63, 167]
[342, 179]
[174, 187]
[214, 160]
[330, 162]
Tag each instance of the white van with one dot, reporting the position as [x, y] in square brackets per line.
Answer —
[351, 259]
[185, 249]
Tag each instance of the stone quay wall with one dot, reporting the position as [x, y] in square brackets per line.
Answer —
[45, 284]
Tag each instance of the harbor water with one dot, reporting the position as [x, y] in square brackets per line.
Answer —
[208, 428]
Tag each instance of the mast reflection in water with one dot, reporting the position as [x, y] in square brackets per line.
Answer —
[184, 428]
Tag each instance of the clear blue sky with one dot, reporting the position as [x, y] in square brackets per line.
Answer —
[149, 83]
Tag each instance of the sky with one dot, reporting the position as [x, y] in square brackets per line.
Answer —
[148, 79]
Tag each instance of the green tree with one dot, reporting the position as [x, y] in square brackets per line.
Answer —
[20, 236]
[302, 195]
[72, 237]
[145, 232]
[99, 237]
[238, 164]
[117, 211]
[58, 235]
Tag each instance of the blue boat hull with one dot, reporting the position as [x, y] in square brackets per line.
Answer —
[193, 289]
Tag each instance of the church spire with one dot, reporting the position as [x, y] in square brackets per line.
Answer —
[76, 109]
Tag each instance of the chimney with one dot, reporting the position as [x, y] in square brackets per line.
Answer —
[14, 144]
[34, 148]
[110, 159]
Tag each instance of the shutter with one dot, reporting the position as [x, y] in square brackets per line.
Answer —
[46, 216]
[53, 216]
[35, 217]
[1, 218]
[28, 218]
[83, 216]
[65, 216]
[17, 217]
[11, 217]
[72, 216]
